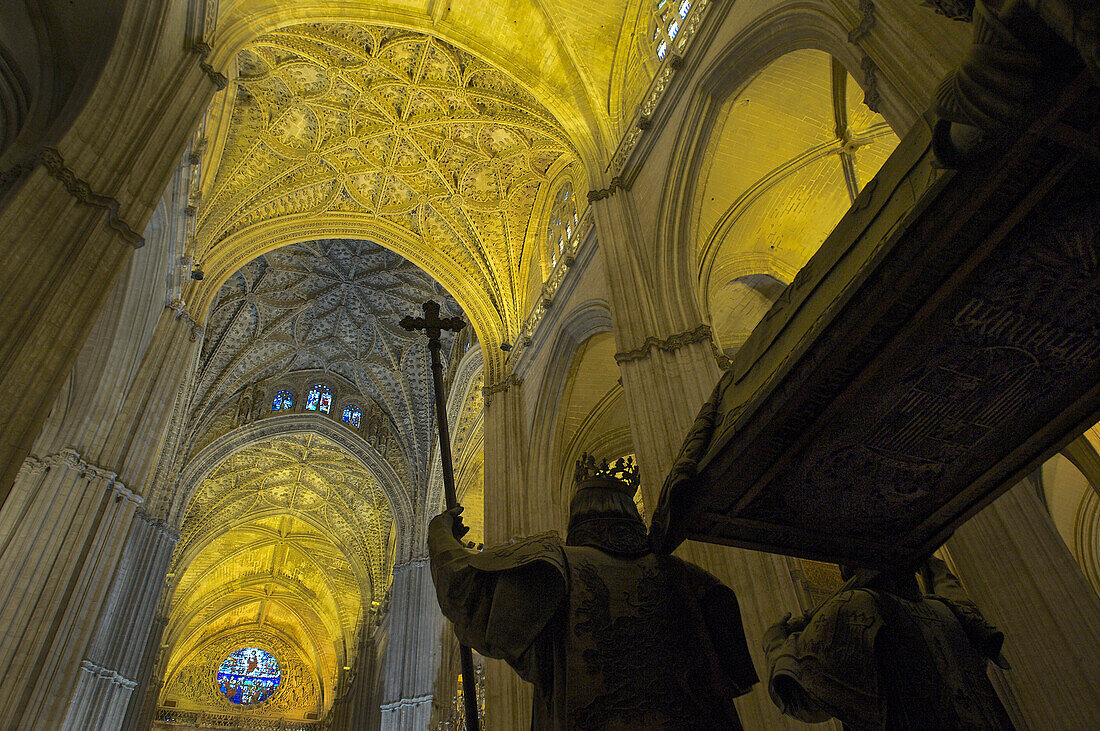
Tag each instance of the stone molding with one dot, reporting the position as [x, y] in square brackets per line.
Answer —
[158, 524]
[500, 386]
[672, 343]
[107, 674]
[872, 97]
[415, 562]
[203, 49]
[50, 159]
[71, 459]
[867, 21]
[413, 702]
[616, 184]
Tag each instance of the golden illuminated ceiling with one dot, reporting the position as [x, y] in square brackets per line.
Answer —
[789, 154]
[330, 306]
[286, 546]
[340, 129]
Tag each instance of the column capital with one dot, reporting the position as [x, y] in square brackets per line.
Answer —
[500, 386]
[697, 334]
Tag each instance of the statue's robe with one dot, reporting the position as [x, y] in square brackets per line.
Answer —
[649, 642]
[875, 660]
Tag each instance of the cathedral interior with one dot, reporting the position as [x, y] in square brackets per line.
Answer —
[218, 447]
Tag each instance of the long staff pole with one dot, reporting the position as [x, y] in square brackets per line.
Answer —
[432, 325]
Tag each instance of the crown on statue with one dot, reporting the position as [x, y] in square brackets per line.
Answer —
[621, 475]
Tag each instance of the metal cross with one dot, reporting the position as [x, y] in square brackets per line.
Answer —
[433, 326]
[431, 323]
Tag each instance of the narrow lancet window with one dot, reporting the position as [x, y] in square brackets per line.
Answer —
[352, 415]
[283, 400]
[668, 18]
[319, 399]
[562, 224]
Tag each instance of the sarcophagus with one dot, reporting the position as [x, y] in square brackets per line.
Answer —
[944, 341]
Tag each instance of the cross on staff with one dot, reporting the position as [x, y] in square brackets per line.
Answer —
[433, 326]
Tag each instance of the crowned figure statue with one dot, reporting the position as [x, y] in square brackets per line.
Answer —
[611, 635]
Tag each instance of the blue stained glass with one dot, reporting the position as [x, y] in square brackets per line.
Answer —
[352, 415]
[685, 8]
[319, 398]
[674, 29]
[249, 675]
[282, 400]
[662, 50]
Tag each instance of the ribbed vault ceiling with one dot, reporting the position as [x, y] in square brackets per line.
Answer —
[332, 305]
[285, 545]
[789, 154]
[341, 127]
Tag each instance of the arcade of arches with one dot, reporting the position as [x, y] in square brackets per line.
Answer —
[217, 445]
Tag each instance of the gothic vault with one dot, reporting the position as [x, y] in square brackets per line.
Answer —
[218, 448]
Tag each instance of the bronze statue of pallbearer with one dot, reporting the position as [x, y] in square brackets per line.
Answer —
[611, 635]
[879, 654]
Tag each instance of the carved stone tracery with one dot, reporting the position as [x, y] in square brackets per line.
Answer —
[334, 121]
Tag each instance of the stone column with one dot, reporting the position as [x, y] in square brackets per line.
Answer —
[140, 709]
[61, 534]
[511, 509]
[71, 214]
[113, 663]
[668, 370]
[412, 649]
[63, 529]
[1018, 570]
[359, 707]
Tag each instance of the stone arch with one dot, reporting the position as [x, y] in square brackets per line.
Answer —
[1070, 490]
[217, 451]
[552, 461]
[787, 29]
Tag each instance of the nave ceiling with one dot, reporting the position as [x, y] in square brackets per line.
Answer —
[327, 306]
[572, 55]
[287, 546]
[359, 130]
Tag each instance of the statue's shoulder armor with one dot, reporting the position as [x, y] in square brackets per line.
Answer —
[545, 548]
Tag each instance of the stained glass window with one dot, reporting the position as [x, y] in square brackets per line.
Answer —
[319, 399]
[668, 18]
[563, 222]
[249, 675]
[283, 400]
[352, 415]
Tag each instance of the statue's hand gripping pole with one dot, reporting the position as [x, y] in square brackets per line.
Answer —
[433, 326]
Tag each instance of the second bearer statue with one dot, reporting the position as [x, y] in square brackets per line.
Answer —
[611, 635]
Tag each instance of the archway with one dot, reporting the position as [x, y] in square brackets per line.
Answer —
[285, 552]
[789, 154]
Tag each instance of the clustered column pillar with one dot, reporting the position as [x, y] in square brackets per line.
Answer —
[61, 539]
[412, 650]
[1018, 570]
[67, 544]
[666, 378]
[111, 667]
[358, 708]
[511, 510]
